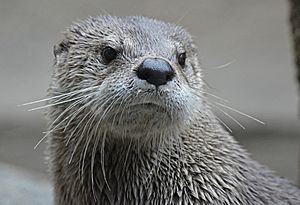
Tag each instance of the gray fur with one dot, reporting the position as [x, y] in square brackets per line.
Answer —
[116, 139]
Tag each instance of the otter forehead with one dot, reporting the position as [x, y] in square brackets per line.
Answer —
[135, 35]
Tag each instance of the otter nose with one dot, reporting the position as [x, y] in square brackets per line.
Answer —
[155, 71]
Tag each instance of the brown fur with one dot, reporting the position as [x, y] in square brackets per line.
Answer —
[117, 139]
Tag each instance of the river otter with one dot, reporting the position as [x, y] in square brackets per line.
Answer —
[130, 123]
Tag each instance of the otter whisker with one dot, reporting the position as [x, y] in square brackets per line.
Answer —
[64, 112]
[233, 109]
[72, 116]
[225, 113]
[127, 152]
[40, 141]
[98, 111]
[94, 151]
[120, 105]
[215, 96]
[58, 96]
[123, 104]
[171, 139]
[80, 139]
[223, 123]
[154, 163]
[99, 122]
[221, 66]
[162, 141]
[109, 107]
[207, 93]
[69, 100]
[102, 148]
[170, 143]
[103, 160]
[82, 108]
[240, 112]
[90, 122]
[207, 85]
[87, 143]
[55, 128]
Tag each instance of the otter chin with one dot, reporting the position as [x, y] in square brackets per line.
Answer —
[146, 116]
[130, 123]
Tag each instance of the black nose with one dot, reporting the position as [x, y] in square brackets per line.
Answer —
[155, 71]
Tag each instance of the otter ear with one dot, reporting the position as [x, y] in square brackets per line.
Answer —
[60, 52]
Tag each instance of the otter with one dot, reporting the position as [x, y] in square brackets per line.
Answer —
[130, 123]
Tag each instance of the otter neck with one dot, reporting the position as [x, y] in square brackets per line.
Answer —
[123, 169]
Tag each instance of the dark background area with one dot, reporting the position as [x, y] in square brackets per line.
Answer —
[253, 35]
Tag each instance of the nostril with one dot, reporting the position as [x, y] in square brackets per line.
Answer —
[155, 71]
[142, 73]
[169, 76]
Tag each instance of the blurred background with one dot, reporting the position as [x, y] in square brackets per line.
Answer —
[254, 36]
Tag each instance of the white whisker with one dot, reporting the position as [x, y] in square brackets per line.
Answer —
[39, 142]
[215, 96]
[65, 111]
[76, 113]
[87, 143]
[103, 160]
[225, 113]
[210, 94]
[80, 139]
[69, 100]
[223, 65]
[223, 123]
[240, 112]
[58, 96]
[94, 151]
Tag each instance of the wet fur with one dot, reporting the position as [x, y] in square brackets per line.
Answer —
[116, 139]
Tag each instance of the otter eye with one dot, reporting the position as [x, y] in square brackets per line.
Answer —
[109, 54]
[181, 59]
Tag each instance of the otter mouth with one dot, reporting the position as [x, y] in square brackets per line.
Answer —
[148, 106]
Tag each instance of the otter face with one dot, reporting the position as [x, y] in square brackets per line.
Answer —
[130, 75]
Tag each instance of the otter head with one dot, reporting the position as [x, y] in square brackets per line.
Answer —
[131, 76]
